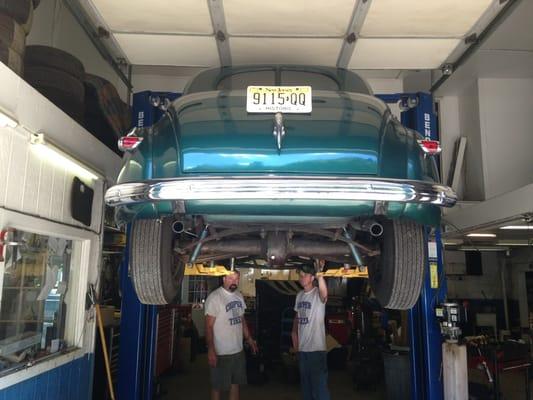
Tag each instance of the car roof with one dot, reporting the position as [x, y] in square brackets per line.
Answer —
[208, 80]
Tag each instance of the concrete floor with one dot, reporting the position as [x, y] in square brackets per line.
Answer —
[194, 384]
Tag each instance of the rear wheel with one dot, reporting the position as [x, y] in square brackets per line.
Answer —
[397, 276]
[156, 275]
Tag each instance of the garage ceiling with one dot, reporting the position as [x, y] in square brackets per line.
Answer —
[371, 34]
[512, 233]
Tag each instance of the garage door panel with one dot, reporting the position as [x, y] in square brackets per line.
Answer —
[295, 17]
[430, 18]
[285, 51]
[170, 16]
[181, 50]
[401, 53]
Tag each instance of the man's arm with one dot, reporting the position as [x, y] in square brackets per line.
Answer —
[322, 289]
[246, 334]
[210, 339]
[294, 333]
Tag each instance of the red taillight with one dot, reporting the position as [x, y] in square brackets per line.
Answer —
[129, 143]
[431, 147]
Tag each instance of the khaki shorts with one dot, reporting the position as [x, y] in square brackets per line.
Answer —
[230, 369]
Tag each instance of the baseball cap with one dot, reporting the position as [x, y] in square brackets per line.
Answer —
[308, 269]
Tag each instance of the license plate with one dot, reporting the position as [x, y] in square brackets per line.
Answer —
[284, 99]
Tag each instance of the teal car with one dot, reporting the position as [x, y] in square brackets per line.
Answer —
[274, 167]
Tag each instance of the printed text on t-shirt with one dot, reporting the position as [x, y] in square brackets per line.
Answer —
[303, 307]
[236, 308]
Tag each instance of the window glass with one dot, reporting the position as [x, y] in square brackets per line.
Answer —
[198, 289]
[303, 78]
[34, 281]
[242, 80]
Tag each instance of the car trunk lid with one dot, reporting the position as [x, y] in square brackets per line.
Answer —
[340, 136]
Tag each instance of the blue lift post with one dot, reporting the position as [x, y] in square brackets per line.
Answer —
[425, 337]
[137, 351]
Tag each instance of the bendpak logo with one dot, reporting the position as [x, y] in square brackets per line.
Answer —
[427, 125]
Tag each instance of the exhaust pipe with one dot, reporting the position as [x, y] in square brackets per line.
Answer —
[178, 227]
[374, 228]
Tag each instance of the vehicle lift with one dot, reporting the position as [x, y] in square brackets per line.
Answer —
[137, 350]
[137, 347]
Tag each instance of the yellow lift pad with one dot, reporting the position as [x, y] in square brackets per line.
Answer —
[220, 270]
[201, 270]
[357, 272]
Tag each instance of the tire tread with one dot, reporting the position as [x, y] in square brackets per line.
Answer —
[148, 262]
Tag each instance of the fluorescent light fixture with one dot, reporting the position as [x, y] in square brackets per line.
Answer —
[57, 157]
[482, 235]
[514, 243]
[485, 248]
[6, 120]
[517, 227]
[452, 242]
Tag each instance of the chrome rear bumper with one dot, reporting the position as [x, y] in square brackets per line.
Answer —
[282, 188]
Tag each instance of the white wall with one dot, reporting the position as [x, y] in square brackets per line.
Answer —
[506, 107]
[385, 86]
[495, 116]
[470, 128]
[29, 182]
[486, 286]
[161, 78]
[35, 197]
[55, 26]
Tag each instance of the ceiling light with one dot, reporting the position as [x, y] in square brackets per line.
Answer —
[482, 235]
[514, 243]
[452, 242]
[486, 248]
[56, 156]
[6, 120]
[518, 227]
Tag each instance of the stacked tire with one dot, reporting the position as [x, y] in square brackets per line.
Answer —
[16, 18]
[58, 76]
[107, 117]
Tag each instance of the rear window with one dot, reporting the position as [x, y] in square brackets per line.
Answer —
[240, 77]
[304, 78]
[240, 81]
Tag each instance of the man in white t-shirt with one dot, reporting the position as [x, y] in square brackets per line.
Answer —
[309, 335]
[225, 329]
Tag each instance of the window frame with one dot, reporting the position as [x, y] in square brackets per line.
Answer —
[79, 324]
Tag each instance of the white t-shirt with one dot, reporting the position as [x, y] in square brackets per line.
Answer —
[310, 312]
[228, 309]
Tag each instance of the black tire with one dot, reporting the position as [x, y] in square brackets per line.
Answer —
[398, 274]
[19, 10]
[60, 88]
[12, 34]
[53, 78]
[155, 276]
[44, 56]
[104, 96]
